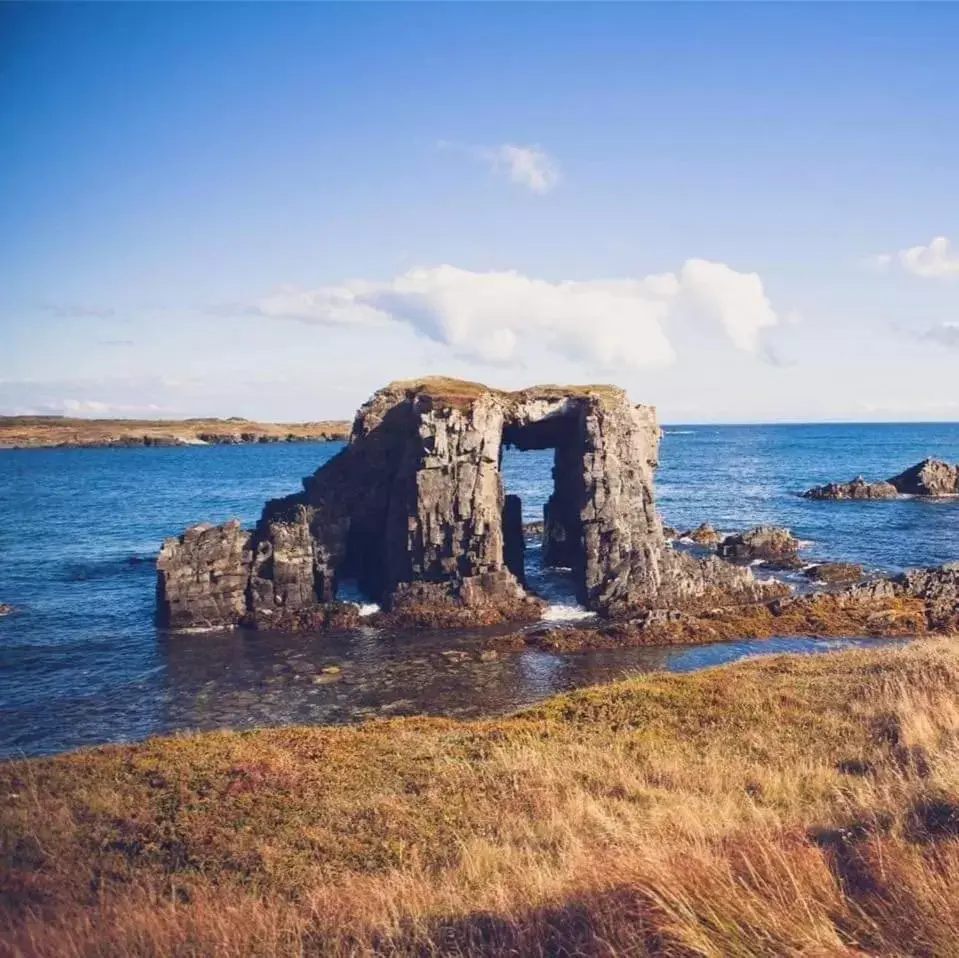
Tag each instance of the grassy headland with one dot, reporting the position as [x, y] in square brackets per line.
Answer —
[793, 806]
[26, 432]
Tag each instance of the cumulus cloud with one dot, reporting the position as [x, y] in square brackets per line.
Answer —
[528, 166]
[504, 317]
[737, 300]
[933, 261]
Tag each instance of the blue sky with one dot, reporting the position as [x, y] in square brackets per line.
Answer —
[740, 213]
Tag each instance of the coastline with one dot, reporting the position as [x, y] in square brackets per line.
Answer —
[797, 803]
[55, 432]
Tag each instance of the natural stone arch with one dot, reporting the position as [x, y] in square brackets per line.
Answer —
[415, 510]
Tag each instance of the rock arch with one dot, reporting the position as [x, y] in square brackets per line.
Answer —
[414, 509]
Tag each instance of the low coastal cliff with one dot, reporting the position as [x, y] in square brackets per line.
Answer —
[29, 432]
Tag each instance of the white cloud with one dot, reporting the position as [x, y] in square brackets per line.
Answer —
[504, 317]
[528, 166]
[736, 299]
[935, 261]
[946, 334]
[328, 306]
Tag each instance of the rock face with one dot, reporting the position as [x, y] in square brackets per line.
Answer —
[415, 511]
[769, 544]
[931, 477]
[858, 488]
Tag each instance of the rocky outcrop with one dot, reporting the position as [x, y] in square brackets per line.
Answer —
[415, 511]
[835, 572]
[702, 535]
[5, 609]
[920, 602]
[931, 477]
[771, 545]
[203, 577]
[858, 488]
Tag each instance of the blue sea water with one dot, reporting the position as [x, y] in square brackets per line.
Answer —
[82, 662]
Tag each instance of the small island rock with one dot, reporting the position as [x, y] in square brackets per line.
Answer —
[931, 477]
[769, 544]
[858, 488]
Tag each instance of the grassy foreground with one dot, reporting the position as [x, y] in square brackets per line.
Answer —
[793, 806]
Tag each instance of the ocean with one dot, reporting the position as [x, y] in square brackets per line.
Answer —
[81, 661]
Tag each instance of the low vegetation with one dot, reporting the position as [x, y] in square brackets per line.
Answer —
[792, 806]
[27, 432]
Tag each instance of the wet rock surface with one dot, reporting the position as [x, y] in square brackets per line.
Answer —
[5, 609]
[415, 512]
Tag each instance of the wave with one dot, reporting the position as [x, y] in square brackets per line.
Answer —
[679, 432]
[367, 608]
[564, 612]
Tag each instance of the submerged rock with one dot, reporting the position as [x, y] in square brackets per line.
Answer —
[769, 544]
[931, 477]
[858, 488]
[415, 511]
[5, 609]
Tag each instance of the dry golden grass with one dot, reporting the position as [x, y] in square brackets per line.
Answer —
[794, 806]
[41, 431]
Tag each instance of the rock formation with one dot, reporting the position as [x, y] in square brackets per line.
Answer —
[858, 488]
[703, 535]
[414, 511]
[768, 544]
[5, 609]
[931, 477]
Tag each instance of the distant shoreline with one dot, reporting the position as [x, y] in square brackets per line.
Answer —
[56, 432]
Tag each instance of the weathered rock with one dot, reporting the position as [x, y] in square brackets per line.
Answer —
[931, 477]
[858, 488]
[835, 572]
[414, 509]
[703, 535]
[203, 577]
[769, 544]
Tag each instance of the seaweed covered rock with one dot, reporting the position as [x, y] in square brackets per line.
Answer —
[835, 572]
[414, 510]
[858, 488]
